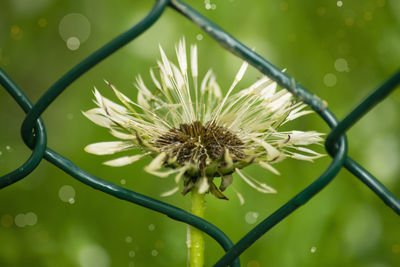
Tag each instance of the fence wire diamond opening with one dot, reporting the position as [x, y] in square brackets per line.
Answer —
[34, 133]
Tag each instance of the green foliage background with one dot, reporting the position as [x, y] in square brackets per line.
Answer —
[344, 225]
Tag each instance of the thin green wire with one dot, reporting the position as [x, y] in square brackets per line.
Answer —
[356, 114]
[40, 131]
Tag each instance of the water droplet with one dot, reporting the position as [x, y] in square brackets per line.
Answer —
[251, 217]
[132, 253]
[30, 218]
[8, 148]
[154, 252]
[313, 249]
[151, 227]
[341, 65]
[71, 201]
[73, 43]
[128, 239]
[199, 37]
[1, 153]
[20, 220]
[330, 79]
[123, 181]
[66, 193]
[339, 3]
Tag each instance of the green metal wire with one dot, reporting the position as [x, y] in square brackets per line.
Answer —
[40, 132]
[336, 142]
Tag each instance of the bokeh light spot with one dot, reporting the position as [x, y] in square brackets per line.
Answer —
[66, 193]
[396, 248]
[20, 220]
[73, 43]
[16, 32]
[330, 79]
[253, 263]
[74, 25]
[368, 15]
[251, 217]
[42, 22]
[341, 65]
[154, 252]
[151, 227]
[93, 255]
[7, 220]
[30, 218]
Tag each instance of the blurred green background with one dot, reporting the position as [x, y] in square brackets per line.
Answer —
[339, 50]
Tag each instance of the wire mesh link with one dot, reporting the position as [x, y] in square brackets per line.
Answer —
[336, 143]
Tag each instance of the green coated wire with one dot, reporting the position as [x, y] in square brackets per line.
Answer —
[360, 110]
[40, 131]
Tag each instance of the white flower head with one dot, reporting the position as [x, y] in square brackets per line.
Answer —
[193, 131]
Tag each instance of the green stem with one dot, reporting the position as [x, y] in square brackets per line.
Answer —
[196, 246]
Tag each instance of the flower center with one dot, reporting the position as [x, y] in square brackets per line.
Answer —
[201, 145]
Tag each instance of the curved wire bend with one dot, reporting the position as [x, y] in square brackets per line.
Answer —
[40, 143]
[34, 111]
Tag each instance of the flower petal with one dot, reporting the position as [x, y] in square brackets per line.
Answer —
[269, 167]
[203, 185]
[95, 115]
[260, 187]
[124, 160]
[170, 192]
[108, 148]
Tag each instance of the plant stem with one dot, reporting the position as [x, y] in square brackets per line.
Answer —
[196, 247]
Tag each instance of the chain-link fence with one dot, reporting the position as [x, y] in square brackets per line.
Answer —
[34, 133]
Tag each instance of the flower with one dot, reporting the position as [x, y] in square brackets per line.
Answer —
[193, 131]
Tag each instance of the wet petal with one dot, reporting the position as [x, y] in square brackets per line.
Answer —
[269, 167]
[124, 160]
[108, 148]
[96, 116]
[260, 187]
[170, 192]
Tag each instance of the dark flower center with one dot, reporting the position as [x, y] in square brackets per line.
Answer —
[200, 144]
